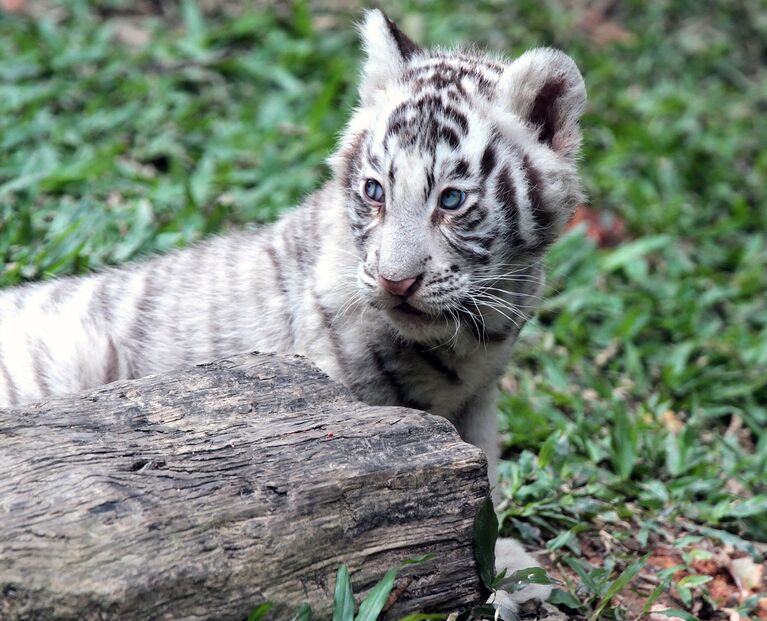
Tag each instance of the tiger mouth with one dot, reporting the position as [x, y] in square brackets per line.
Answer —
[407, 309]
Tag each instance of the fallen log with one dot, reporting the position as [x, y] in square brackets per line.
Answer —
[201, 493]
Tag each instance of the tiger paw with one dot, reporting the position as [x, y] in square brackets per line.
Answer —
[512, 557]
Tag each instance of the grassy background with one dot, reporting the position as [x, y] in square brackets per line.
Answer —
[636, 407]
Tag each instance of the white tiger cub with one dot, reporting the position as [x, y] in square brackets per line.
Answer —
[407, 277]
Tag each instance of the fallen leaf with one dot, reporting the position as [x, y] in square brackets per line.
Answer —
[607, 354]
[671, 421]
[746, 573]
[12, 6]
[604, 227]
[601, 29]
[130, 33]
[722, 591]
[761, 609]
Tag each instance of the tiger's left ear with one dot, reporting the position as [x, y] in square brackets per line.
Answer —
[388, 49]
[545, 89]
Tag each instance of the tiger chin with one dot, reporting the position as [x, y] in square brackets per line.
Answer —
[407, 276]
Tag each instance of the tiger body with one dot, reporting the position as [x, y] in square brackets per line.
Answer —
[407, 277]
[188, 307]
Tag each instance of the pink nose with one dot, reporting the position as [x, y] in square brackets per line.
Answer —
[402, 288]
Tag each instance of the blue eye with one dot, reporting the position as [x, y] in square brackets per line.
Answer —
[452, 198]
[374, 191]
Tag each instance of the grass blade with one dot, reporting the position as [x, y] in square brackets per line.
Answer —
[521, 578]
[485, 535]
[343, 601]
[260, 612]
[304, 613]
[373, 604]
[619, 583]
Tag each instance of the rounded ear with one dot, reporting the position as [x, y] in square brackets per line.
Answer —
[545, 89]
[388, 49]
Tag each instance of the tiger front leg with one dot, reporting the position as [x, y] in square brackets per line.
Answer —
[479, 426]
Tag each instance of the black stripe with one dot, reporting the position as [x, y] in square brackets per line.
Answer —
[484, 86]
[485, 240]
[99, 306]
[212, 261]
[487, 164]
[458, 416]
[461, 169]
[231, 293]
[19, 297]
[429, 183]
[138, 332]
[373, 159]
[457, 117]
[399, 390]
[296, 249]
[483, 258]
[179, 293]
[38, 351]
[436, 363]
[361, 208]
[543, 217]
[335, 342]
[543, 113]
[13, 392]
[314, 232]
[410, 130]
[361, 234]
[484, 336]
[59, 292]
[277, 265]
[434, 106]
[112, 368]
[447, 134]
[471, 218]
[280, 282]
[439, 280]
[448, 84]
[506, 195]
[454, 70]
[352, 159]
[405, 46]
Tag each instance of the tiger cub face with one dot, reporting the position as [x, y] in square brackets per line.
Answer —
[458, 170]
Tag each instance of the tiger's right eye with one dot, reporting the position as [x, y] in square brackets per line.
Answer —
[374, 191]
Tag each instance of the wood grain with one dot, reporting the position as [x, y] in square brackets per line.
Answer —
[200, 493]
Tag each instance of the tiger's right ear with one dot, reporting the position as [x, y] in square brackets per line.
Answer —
[388, 49]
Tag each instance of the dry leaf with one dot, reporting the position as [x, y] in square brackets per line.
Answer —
[602, 30]
[130, 33]
[746, 573]
[604, 227]
[671, 421]
[12, 6]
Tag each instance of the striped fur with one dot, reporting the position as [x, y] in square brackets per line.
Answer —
[504, 133]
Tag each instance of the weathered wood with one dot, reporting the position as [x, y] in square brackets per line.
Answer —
[201, 493]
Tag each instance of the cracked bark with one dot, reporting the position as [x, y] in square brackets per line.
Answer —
[204, 492]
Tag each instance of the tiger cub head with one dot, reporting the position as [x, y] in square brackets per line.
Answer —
[459, 169]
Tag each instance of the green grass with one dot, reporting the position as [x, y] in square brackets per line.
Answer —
[639, 407]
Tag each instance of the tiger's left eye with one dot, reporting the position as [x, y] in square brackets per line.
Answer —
[374, 191]
[452, 198]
